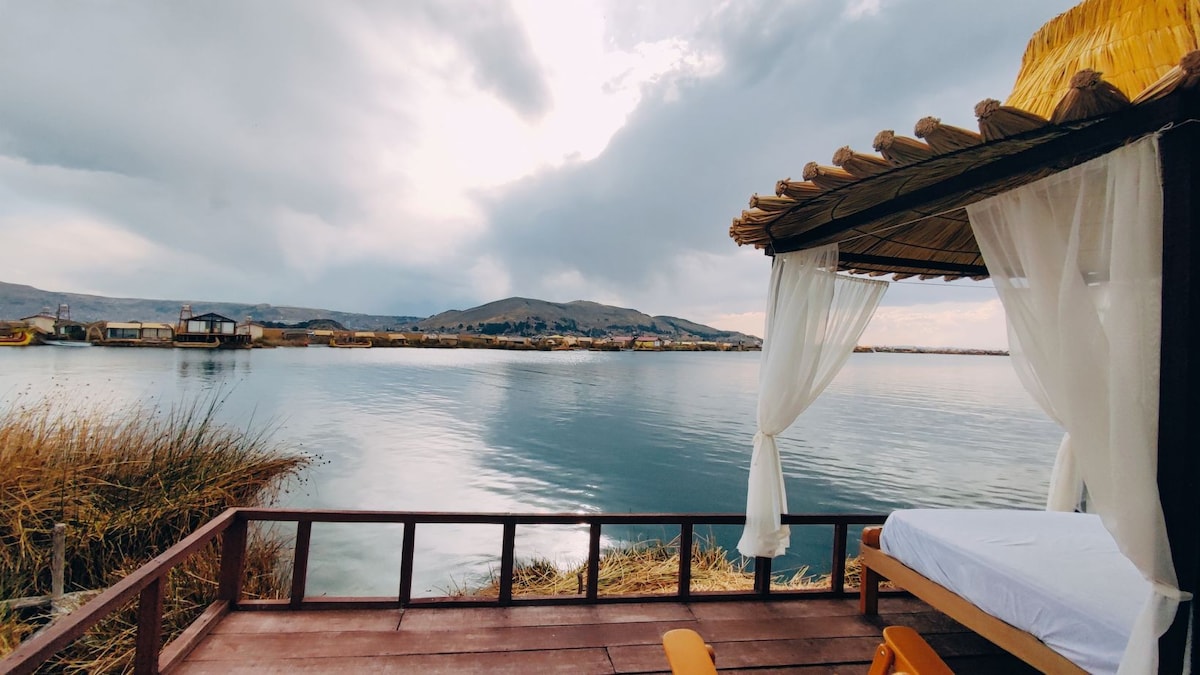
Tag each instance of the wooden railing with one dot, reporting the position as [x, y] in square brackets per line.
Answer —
[148, 582]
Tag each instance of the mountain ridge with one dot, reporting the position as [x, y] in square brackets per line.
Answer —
[509, 316]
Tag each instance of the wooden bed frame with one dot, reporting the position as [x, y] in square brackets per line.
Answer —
[878, 566]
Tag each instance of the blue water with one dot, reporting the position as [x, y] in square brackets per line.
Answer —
[473, 430]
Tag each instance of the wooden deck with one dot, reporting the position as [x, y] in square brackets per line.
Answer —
[802, 636]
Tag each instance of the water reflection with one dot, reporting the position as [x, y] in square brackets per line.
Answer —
[213, 366]
[467, 430]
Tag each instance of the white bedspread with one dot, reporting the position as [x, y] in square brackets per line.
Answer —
[1058, 576]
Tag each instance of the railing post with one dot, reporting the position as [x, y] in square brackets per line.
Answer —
[407, 552]
[593, 566]
[685, 560]
[300, 563]
[837, 575]
[233, 558]
[58, 561]
[762, 576]
[506, 562]
[149, 628]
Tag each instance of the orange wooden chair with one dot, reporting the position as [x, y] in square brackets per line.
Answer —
[903, 650]
[687, 653]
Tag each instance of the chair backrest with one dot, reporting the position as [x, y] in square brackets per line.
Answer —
[903, 650]
[687, 653]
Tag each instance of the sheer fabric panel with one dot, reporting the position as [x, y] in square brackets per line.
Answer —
[814, 320]
[1077, 261]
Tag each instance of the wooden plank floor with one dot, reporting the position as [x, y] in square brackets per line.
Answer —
[814, 637]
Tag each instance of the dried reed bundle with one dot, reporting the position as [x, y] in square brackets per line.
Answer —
[1133, 42]
[827, 177]
[858, 164]
[1186, 75]
[743, 233]
[759, 217]
[1089, 96]
[944, 138]
[796, 189]
[1001, 121]
[901, 150]
[771, 203]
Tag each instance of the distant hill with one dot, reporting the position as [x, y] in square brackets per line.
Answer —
[18, 301]
[512, 316]
[525, 316]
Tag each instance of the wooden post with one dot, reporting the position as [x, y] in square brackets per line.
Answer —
[407, 553]
[593, 566]
[507, 559]
[1179, 399]
[685, 561]
[58, 563]
[149, 628]
[837, 574]
[762, 576]
[300, 562]
[233, 557]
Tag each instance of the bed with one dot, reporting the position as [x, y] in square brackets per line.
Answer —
[1050, 587]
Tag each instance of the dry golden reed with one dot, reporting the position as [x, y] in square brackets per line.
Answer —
[129, 483]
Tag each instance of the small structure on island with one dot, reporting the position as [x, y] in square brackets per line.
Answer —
[208, 331]
[42, 322]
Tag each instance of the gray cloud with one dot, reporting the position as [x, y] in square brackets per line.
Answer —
[196, 126]
[498, 50]
[799, 81]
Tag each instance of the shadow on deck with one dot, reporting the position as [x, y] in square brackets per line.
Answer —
[805, 636]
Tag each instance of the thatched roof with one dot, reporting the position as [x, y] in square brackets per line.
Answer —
[902, 211]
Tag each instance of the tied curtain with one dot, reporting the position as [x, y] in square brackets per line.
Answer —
[814, 319]
[1077, 261]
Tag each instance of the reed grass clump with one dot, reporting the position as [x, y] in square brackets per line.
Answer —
[652, 568]
[129, 483]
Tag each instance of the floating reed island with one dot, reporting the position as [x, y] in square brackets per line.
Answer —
[128, 483]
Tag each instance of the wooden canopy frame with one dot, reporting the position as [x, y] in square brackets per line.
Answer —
[992, 168]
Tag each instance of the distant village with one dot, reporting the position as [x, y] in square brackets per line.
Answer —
[214, 331]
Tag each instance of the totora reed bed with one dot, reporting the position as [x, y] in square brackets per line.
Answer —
[128, 483]
[652, 568]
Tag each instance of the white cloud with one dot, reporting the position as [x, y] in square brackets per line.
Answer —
[857, 9]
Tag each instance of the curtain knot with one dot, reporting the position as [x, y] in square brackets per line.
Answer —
[1171, 593]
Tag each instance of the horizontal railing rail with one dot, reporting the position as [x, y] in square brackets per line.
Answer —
[148, 581]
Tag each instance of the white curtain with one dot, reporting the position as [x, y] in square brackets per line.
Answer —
[814, 319]
[1077, 261]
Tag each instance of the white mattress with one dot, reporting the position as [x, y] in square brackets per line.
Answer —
[1058, 576]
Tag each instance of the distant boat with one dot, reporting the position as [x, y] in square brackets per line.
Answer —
[67, 343]
[17, 337]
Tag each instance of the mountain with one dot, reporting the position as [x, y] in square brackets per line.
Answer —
[525, 316]
[512, 316]
[18, 301]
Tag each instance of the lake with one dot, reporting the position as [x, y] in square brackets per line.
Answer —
[488, 430]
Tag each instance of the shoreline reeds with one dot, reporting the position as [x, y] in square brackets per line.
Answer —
[128, 482]
[650, 567]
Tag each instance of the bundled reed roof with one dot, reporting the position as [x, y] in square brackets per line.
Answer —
[902, 212]
[1132, 42]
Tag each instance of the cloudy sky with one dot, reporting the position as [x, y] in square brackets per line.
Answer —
[408, 158]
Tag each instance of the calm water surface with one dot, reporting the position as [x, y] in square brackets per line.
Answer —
[473, 430]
